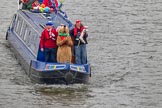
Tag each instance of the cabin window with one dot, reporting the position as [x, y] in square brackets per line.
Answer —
[34, 42]
[12, 26]
[22, 31]
[26, 33]
[29, 33]
[27, 38]
[15, 26]
[18, 25]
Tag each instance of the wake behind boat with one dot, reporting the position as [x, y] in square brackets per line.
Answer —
[24, 34]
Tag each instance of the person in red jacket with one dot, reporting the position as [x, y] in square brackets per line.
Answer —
[48, 42]
[35, 4]
[50, 3]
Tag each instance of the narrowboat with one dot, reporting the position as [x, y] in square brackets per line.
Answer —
[23, 35]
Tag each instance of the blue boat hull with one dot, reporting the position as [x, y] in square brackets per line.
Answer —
[42, 72]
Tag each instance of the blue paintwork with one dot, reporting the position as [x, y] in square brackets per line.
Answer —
[41, 55]
[42, 66]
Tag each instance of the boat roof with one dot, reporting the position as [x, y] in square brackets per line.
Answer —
[39, 19]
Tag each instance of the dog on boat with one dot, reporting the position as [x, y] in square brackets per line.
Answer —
[82, 34]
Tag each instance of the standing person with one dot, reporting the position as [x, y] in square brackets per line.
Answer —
[64, 43]
[47, 3]
[35, 4]
[50, 3]
[48, 42]
[27, 4]
[79, 46]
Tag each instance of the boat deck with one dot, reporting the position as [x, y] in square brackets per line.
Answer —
[40, 19]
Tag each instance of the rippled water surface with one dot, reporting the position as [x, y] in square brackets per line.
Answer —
[125, 51]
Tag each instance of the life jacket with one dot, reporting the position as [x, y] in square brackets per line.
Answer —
[76, 30]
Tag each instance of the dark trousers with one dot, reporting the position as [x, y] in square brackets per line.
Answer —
[50, 54]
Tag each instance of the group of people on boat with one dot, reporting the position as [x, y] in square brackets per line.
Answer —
[60, 44]
[43, 5]
[63, 45]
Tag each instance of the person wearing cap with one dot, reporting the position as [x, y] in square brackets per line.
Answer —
[79, 46]
[48, 42]
[27, 4]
